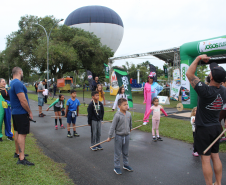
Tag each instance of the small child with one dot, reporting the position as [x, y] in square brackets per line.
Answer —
[193, 113]
[121, 94]
[72, 111]
[58, 105]
[95, 116]
[155, 118]
[121, 125]
[101, 93]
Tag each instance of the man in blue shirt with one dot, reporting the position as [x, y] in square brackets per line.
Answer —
[20, 112]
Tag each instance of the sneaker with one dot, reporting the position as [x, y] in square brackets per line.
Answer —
[154, 139]
[25, 162]
[17, 156]
[40, 115]
[159, 139]
[62, 127]
[69, 136]
[76, 134]
[1, 139]
[10, 138]
[99, 147]
[43, 114]
[56, 127]
[195, 154]
[128, 168]
[118, 171]
[94, 148]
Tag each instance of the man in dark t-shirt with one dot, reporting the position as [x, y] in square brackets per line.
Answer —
[94, 84]
[210, 102]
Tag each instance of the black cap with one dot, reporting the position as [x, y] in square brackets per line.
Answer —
[218, 73]
[44, 80]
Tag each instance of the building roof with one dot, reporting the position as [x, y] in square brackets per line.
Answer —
[166, 55]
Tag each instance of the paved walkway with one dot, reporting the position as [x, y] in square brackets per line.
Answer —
[168, 162]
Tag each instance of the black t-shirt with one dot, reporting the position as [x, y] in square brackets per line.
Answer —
[210, 104]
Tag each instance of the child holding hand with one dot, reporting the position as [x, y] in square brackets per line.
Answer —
[156, 108]
[193, 113]
[58, 105]
[101, 93]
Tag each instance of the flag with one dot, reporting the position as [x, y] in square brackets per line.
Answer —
[123, 79]
[106, 69]
[153, 69]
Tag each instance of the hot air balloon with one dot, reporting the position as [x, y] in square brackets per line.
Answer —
[104, 22]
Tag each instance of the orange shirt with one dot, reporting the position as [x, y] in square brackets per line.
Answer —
[100, 97]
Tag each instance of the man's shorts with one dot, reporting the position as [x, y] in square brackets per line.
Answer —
[70, 119]
[204, 136]
[21, 123]
[40, 101]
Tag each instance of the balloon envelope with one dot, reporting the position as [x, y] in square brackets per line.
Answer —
[105, 23]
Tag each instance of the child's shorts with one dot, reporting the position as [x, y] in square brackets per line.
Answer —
[70, 119]
[57, 109]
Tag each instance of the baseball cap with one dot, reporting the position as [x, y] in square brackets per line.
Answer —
[218, 72]
[44, 80]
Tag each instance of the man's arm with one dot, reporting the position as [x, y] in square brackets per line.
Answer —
[24, 103]
[191, 70]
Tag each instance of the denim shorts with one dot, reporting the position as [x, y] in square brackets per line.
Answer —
[40, 101]
[70, 119]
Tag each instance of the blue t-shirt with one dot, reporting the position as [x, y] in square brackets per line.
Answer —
[72, 105]
[15, 88]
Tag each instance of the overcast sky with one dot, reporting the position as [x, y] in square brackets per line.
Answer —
[148, 25]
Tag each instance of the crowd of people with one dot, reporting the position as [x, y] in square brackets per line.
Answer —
[205, 118]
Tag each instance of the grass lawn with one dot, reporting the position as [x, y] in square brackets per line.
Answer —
[45, 171]
[169, 127]
[138, 96]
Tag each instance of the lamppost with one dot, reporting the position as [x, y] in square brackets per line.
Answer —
[48, 36]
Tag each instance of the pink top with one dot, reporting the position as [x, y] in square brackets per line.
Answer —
[156, 112]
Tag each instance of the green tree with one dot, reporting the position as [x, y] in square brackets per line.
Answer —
[70, 49]
[202, 72]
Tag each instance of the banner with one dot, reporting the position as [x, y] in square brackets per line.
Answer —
[114, 84]
[106, 69]
[90, 78]
[123, 79]
[185, 84]
[164, 100]
[212, 45]
[175, 85]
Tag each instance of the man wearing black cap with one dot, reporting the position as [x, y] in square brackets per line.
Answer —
[210, 102]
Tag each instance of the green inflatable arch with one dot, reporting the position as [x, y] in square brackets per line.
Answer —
[213, 47]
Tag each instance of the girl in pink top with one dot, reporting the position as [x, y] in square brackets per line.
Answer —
[156, 108]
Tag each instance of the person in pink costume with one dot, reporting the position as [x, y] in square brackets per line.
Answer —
[156, 108]
[151, 90]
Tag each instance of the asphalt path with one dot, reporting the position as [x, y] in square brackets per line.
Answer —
[168, 162]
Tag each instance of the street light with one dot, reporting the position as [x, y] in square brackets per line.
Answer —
[48, 36]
